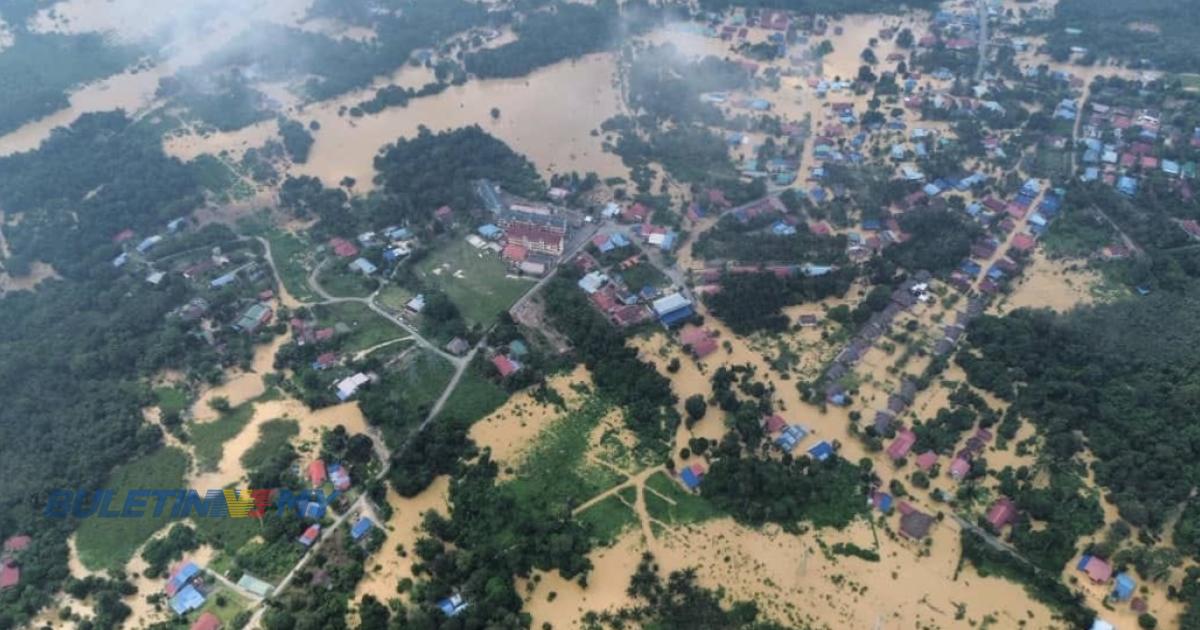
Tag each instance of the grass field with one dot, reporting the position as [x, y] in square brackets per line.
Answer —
[227, 534]
[367, 328]
[555, 469]
[644, 274]
[108, 543]
[410, 391]
[291, 253]
[171, 399]
[209, 438]
[271, 435]
[608, 519]
[688, 508]
[474, 398]
[234, 604]
[394, 297]
[474, 280]
[339, 281]
[1190, 81]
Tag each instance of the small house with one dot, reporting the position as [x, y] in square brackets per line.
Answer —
[458, 346]
[673, 309]
[959, 468]
[310, 535]
[692, 476]
[340, 477]
[1002, 513]
[926, 460]
[1123, 587]
[347, 387]
[363, 266]
[207, 621]
[452, 605]
[1096, 568]
[187, 600]
[361, 528]
[899, 448]
[822, 451]
[316, 473]
[416, 305]
[913, 523]
[506, 366]
[10, 575]
[180, 577]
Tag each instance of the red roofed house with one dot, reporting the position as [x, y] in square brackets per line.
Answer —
[1191, 227]
[17, 543]
[636, 213]
[1149, 162]
[1128, 160]
[959, 468]
[123, 235]
[774, 423]
[507, 366]
[209, 621]
[699, 340]
[1002, 513]
[1023, 242]
[10, 575]
[902, 444]
[926, 460]
[716, 197]
[316, 473]
[1097, 569]
[342, 247]
[443, 214]
[1016, 211]
[514, 253]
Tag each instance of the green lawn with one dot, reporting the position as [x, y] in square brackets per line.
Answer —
[608, 519]
[474, 398]
[234, 604]
[688, 507]
[367, 328]
[339, 281]
[271, 434]
[291, 254]
[227, 534]
[555, 470]
[475, 280]
[407, 392]
[209, 438]
[394, 297]
[108, 543]
[643, 274]
[171, 399]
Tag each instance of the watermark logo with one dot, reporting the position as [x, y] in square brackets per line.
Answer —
[186, 503]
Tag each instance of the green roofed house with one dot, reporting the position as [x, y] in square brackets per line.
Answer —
[255, 585]
[254, 317]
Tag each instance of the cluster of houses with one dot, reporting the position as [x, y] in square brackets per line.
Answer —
[1123, 587]
[393, 242]
[10, 567]
[610, 296]
[902, 299]
[510, 361]
[1120, 146]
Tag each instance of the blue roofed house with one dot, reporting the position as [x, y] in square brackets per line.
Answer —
[781, 228]
[1170, 167]
[187, 600]
[361, 527]
[489, 231]
[673, 309]
[692, 476]
[1123, 587]
[181, 577]
[1127, 185]
[452, 605]
[822, 451]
